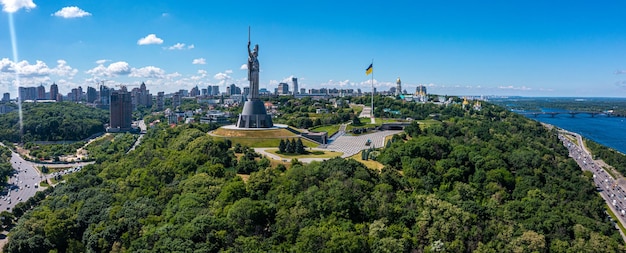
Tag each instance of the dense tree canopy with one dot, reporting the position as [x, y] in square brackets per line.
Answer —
[489, 181]
[53, 122]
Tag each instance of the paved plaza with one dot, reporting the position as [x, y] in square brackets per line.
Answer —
[351, 145]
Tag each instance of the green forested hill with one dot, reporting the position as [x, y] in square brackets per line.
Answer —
[489, 181]
[53, 122]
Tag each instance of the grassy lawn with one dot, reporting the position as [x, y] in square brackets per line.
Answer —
[331, 129]
[357, 109]
[312, 154]
[428, 122]
[264, 142]
[369, 163]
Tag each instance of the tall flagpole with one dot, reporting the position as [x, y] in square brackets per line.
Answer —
[373, 118]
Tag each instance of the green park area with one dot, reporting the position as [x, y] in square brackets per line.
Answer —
[482, 180]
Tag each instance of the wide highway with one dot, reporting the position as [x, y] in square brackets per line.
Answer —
[24, 182]
[607, 186]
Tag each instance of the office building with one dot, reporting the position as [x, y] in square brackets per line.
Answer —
[6, 97]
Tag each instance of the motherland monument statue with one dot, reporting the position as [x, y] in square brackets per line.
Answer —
[254, 114]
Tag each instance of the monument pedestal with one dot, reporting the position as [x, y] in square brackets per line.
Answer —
[254, 115]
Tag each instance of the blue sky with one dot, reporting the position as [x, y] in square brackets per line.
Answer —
[525, 48]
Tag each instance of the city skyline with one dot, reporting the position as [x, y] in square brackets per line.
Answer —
[452, 48]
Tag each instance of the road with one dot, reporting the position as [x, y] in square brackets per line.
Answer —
[21, 186]
[608, 188]
[142, 125]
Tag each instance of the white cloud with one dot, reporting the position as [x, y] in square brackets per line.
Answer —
[71, 12]
[201, 74]
[244, 66]
[221, 76]
[150, 39]
[173, 75]
[148, 72]
[7, 66]
[39, 69]
[119, 68]
[103, 61]
[64, 70]
[177, 46]
[191, 46]
[113, 70]
[288, 79]
[165, 14]
[619, 72]
[11, 6]
[228, 71]
[511, 87]
[199, 61]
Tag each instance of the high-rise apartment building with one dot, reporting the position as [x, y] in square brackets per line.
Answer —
[283, 89]
[27, 93]
[295, 85]
[176, 100]
[6, 97]
[194, 92]
[160, 101]
[121, 110]
[54, 91]
[92, 94]
[41, 92]
[105, 96]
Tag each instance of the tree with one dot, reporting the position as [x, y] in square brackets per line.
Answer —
[413, 129]
[282, 146]
[300, 147]
[291, 146]
[356, 121]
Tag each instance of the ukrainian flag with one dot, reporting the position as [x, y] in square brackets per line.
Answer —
[369, 69]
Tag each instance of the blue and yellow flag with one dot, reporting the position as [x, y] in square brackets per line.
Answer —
[369, 69]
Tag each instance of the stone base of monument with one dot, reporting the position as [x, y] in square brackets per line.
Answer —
[254, 115]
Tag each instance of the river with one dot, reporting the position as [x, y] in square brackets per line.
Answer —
[608, 131]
